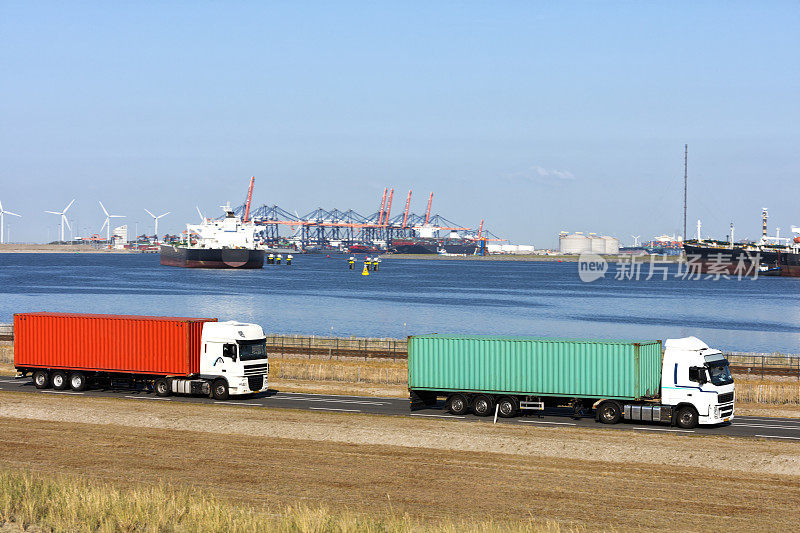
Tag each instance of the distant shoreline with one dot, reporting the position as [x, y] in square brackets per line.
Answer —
[57, 249]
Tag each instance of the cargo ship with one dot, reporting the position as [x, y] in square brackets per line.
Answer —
[225, 243]
[771, 256]
[434, 246]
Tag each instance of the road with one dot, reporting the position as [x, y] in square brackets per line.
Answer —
[743, 426]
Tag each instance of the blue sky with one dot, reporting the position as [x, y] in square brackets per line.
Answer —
[537, 116]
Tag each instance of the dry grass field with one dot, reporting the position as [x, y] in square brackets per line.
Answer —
[437, 472]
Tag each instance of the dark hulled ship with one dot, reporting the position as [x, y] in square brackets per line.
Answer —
[433, 246]
[183, 256]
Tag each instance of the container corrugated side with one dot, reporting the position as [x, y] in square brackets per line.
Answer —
[113, 343]
[555, 367]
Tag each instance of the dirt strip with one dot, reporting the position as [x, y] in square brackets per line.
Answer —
[428, 469]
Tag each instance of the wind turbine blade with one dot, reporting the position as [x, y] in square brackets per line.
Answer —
[151, 214]
[53, 212]
[68, 206]
[10, 213]
[104, 207]
[165, 214]
[104, 225]
[116, 216]
[1, 206]
[202, 218]
[67, 222]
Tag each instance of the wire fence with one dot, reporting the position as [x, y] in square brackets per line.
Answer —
[312, 346]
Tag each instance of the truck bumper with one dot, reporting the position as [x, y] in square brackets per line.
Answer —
[718, 414]
[247, 385]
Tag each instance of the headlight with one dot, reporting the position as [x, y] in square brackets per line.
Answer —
[716, 412]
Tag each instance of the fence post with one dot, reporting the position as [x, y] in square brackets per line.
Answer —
[281, 345]
[337, 348]
[762, 366]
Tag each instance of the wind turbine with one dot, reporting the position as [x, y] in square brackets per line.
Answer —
[3, 214]
[155, 219]
[635, 240]
[107, 223]
[63, 215]
[202, 218]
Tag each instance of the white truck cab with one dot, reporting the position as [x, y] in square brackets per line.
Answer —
[695, 375]
[233, 357]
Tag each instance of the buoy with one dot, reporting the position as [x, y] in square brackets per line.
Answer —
[375, 264]
[365, 272]
[271, 259]
[288, 259]
[351, 262]
[278, 259]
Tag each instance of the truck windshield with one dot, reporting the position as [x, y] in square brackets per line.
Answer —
[720, 373]
[254, 349]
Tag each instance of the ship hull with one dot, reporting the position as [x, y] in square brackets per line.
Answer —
[738, 261]
[424, 248]
[243, 258]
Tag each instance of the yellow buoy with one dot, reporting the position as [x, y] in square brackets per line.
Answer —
[365, 272]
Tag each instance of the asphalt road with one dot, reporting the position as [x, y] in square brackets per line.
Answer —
[744, 426]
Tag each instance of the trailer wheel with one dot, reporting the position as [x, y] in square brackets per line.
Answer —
[161, 386]
[507, 407]
[77, 380]
[457, 404]
[609, 413]
[686, 418]
[60, 380]
[41, 379]
[220, 389]
[482, 405]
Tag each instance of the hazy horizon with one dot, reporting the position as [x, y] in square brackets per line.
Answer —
[537, 117]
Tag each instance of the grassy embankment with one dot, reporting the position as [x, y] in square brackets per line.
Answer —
[70, 503]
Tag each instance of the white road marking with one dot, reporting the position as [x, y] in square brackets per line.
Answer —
[764, 426]
[148, 398]
[777, 437]
[240, 403]
[333, 409]
[61, 392]
[545, 422]
[773, 420]
[438, 416]
[356, 402]
[340, 396]
[8, 380]
[665, 429]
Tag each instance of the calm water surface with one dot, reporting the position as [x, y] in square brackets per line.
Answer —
[317, 295]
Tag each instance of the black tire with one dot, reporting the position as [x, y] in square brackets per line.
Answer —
[507, 407]
[219, 389]
[686, 418]
[41, 379]
[59, 380]
[609, 413]
[161, 387]
[77, 381]
[483, 405]
[457, 404]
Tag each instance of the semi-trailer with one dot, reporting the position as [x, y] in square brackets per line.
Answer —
[687, 384]
[171, 355]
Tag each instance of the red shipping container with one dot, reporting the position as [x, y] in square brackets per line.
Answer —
[110, 343]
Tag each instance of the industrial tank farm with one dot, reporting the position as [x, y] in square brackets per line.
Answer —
[578, 243]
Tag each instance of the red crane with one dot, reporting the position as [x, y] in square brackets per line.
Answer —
[247, 202]
[388, 208]
[480, 229]
[428, 212]
[383, 206]
[408, 205]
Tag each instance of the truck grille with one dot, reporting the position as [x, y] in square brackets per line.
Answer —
[725, 398]
[250, 370]
[256, 383]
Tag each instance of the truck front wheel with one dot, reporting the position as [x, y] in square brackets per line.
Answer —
[161, 386]
[482, 405]
[220, 389]
[41, 379]
[609, 413]
[686, 417]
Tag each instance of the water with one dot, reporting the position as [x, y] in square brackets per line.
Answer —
[321, 296]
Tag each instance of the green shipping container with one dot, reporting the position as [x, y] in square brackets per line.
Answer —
[534, 366]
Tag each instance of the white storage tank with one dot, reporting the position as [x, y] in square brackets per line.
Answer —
[611, 245]
[598, 244]
[574, 243]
